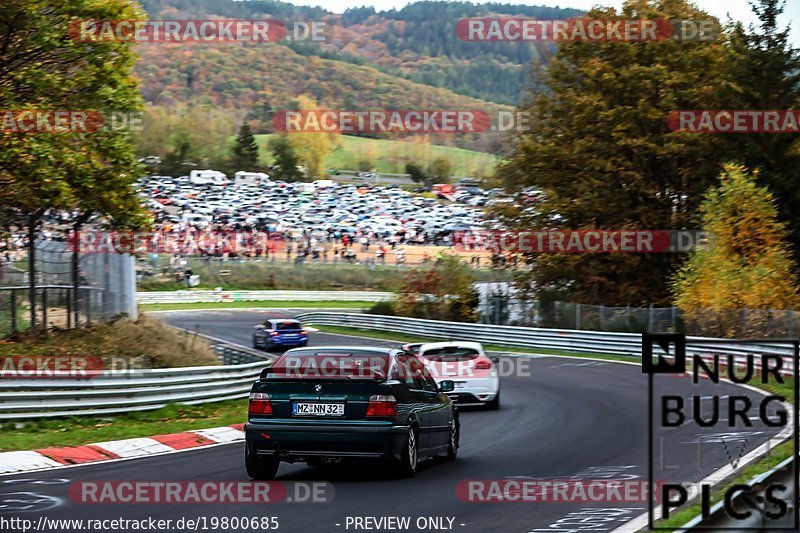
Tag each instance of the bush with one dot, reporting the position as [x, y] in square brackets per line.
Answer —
[382, 308]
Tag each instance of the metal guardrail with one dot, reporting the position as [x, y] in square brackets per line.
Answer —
[203, 296]
[114, 392]
[782, 474]
[579, 341]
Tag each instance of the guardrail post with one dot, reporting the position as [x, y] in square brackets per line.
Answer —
[13, 311]
[69, 308]
[44, 309]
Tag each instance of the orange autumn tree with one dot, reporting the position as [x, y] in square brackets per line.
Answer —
[746, 263]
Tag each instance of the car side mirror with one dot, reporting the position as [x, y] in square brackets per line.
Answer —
[447, 385]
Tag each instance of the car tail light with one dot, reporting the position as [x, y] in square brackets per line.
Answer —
[273, 333]
[303, 332]
[381, 406]
[483, 364]
[259, 404]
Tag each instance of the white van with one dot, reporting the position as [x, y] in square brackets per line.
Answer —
[208, 177]
[250, 178]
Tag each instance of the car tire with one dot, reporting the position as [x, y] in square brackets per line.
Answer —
[494, 405]
[455, 437]
[259, 468]
[409, 456]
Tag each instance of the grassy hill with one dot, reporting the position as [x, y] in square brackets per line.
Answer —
[392, 156]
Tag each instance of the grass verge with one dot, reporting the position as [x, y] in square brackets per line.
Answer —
[279, 304]
[145, 343]
[75, 431]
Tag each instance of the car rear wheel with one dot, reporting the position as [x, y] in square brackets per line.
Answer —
[260, 468]
[494, 405]
[410, 454]
[455, 434]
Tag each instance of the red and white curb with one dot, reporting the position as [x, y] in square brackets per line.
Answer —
[24, 461]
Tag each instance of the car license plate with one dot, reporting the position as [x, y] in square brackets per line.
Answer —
[290, 335]
[317, 409]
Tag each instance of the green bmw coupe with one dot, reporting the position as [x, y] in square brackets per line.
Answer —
[330, 404]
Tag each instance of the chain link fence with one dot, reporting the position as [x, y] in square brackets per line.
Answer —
[106, 288]
[740, 323]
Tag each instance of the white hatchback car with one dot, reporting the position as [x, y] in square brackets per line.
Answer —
[465, 363]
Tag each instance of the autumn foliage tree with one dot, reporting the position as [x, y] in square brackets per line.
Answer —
[312, 147]
[443, 290]
[746, 263]
[600, 149]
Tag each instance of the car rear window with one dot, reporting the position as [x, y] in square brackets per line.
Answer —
[287, 324]
[332, 364]
[450, 354]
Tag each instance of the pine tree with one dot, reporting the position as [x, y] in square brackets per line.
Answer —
[245, 151]
[765, 75]
[285, 161]
[747, 261]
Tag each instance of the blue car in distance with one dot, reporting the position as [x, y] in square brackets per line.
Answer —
[279, 332]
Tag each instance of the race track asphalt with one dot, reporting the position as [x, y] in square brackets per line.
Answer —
[569, 419]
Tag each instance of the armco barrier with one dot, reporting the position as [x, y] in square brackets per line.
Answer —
[580, 341]
[719, 520]
[116, 392]
[203, 296]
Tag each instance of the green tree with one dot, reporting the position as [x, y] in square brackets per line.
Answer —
[746, 262]
[417, 174]
[261, 115]
[599, 148]
[245, 151]
[285, 161]
[44, 67]
[440, 169]
[764, 73]
[444, 290]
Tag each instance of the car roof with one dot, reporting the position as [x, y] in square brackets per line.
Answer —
[459, 344]
[376, 349]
